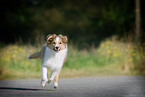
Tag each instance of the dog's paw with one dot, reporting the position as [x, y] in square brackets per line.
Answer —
[56, 85]
[49, 81]
[43, 83]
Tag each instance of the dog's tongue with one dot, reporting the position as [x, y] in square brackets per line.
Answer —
[57, 51]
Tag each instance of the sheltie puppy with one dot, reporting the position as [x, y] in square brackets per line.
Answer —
[53, 54]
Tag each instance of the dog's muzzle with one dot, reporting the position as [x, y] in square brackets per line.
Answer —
[56, 49]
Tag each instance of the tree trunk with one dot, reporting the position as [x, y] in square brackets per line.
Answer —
[137, 22]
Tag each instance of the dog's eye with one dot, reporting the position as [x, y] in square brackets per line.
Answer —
[60, 43]
[54, 43]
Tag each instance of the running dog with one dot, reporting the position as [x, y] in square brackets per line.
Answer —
[53, 55]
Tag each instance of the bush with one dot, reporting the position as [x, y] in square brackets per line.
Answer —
[111, 57]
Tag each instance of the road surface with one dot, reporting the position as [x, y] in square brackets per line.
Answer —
[108, 86]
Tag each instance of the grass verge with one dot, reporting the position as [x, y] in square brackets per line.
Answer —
[112, 57]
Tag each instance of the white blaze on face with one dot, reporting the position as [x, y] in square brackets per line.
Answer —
[57, 39]
[57, 46]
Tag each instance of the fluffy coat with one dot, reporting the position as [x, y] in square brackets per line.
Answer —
[52, 55]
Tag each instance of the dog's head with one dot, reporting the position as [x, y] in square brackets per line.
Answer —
[56, 42]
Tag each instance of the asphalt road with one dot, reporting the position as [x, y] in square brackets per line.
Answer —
[108, 86]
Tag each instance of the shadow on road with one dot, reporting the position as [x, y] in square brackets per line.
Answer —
[24, 89]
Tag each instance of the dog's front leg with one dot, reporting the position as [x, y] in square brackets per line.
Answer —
[52, 76]
[43, 75]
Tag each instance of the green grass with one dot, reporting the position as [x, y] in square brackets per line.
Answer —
[110, 58]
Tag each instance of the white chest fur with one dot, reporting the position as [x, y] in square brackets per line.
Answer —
[54, 60]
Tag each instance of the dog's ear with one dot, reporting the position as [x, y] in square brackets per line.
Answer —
[64, 38]
[50, 37]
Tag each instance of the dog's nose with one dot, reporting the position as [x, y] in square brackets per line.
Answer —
[57, 47]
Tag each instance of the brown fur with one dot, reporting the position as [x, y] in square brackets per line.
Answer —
[51, 40]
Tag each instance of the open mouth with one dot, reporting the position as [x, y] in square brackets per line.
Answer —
[56, 50]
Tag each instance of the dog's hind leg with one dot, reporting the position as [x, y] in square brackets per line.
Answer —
[56, 80]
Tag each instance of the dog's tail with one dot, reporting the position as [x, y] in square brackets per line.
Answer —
[35, 55]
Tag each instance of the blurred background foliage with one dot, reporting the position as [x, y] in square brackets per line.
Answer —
[92, 20]
[101, 36]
